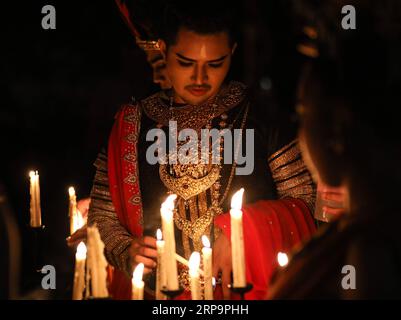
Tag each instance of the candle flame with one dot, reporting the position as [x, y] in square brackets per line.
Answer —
[159, 235]
[168, 207]
[205, 241]
[169, 203]
[236, 200]
[78, 221]
[194, 262]
[282, 259]
[138, 273]
[71, 191]
[213, 282]
[81, 251]
[31, 174]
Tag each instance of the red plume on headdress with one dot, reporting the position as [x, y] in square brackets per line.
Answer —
[142, 18]
[126, 17]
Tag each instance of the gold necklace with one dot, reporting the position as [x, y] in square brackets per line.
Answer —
[195, 229]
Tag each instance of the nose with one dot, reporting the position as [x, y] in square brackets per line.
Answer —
[200, 74]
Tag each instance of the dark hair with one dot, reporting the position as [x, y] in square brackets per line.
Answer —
[205, 17]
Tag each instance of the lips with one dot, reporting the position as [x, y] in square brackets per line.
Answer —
[198, 91]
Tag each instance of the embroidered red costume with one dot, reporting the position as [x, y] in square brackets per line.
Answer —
[128, 191]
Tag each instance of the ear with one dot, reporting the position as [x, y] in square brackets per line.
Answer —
[163, 48]
[233, 48]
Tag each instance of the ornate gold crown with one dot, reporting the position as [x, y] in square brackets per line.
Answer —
[147, 45]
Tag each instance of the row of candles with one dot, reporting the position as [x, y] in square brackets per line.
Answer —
[167, 274]
[76, 219]
[167, 256]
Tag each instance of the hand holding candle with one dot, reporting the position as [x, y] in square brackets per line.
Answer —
[79, 275]
[237, 241]
[137, 283]
[194, 262]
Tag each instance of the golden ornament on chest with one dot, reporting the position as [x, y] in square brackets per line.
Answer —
[188, 184]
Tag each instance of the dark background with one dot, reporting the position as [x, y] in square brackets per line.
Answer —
[61, 88]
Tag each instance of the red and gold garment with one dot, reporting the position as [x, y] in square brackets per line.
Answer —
[127, 191]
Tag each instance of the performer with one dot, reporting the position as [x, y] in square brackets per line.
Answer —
[353, 146]
[198, 47]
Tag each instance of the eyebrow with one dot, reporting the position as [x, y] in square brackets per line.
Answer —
[156, 58]
[192, 60]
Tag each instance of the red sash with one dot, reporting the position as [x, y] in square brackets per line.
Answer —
[124, 185]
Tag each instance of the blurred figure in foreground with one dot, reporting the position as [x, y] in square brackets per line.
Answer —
[348, 99]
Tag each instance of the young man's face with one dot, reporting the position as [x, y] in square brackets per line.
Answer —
[197, 65]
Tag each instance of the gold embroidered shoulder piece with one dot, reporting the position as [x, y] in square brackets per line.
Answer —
[291, 176]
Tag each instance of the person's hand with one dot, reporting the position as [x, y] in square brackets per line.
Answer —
[83, 207]
[222, 263]
[80, 234]
[334, 199]
[143, 250]
[77, 237]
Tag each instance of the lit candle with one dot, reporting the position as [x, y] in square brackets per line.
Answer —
[194, 262]
[207, 267]
[237, 240]
[161, 270]
[137, 283]
[168, 234]
[36, 216]
[282, 259]
[79, 274]
[72, 210]
[97, 264]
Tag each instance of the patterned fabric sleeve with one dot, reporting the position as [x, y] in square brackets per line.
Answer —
[116, 238]
[291, 176]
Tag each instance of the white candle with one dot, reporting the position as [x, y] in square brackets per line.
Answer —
[72, 210]
[237, 240]
[79, 274]
[161, 270]
[168, 234]
[137, 283]
[207, 267]
[194, 262]
[35, 210]
[97, 264]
